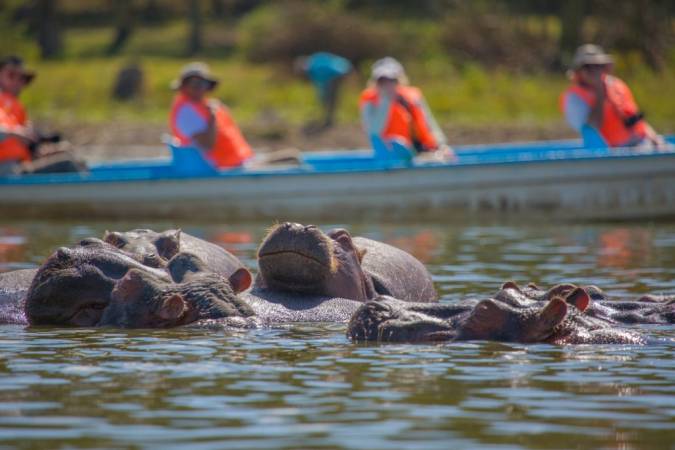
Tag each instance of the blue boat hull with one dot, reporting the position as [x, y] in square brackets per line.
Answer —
[531, 181]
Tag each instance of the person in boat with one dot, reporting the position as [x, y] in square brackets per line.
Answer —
[20, 143]
[326, 71]
[601, 107]
[396, 114]
[205, 123]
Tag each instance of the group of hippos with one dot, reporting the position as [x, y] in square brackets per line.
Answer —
[147, 279]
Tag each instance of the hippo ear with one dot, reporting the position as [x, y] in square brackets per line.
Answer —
[511, 285]
[561, 290]
[168, 244]
[553, 313]
[532, 285]
[114, 238]
[579, 298]
[240, 280]
[172, 308]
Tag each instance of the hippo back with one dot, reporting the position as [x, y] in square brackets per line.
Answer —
[215, 257]
[395, 272]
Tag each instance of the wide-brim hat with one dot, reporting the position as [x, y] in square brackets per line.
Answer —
[195, 70]
[590, 54]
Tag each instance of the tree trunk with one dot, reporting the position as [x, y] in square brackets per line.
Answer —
[195, 38]
[571, 19]
[124, 20]
[48, 31]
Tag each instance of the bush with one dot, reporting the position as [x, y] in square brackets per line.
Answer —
[498, 41]
[281, 31]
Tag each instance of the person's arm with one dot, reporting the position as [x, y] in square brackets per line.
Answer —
[206, 138]
[596, 114]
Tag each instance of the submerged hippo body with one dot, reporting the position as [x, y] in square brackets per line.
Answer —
[302, 259]
[13, 289]
[557, 321]
[155, 249]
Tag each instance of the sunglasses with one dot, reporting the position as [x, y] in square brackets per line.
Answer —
[594, 67]
[198, 83]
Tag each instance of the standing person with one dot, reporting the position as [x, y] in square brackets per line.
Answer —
[393, 111]
[205, 123]
[601, 107]
[326, 72]
[18, 139]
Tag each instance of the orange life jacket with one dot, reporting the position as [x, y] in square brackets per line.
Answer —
[406, 119]
[621, 120]
[12, 116]
[230, 149]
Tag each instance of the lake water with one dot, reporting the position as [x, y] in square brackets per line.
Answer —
[307, 386]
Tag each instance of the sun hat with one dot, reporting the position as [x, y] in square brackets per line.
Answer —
[196, 70]
[13, 60]
[388, 68]
[590, 54]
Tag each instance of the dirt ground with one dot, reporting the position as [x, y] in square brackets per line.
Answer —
[138, 140]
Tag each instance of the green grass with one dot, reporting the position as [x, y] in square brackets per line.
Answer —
[76, 88]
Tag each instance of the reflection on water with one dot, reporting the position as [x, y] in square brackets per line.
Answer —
[306, 386]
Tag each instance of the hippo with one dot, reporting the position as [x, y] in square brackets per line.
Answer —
[557, 321]
[74, 286]
[302, 259]
[155, 249]
[647, 309]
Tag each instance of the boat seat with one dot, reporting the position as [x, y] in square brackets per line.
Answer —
[592, 138]
[189, 161]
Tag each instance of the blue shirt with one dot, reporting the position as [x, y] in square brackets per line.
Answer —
[324, 67]
[576, 111]
[189, 122]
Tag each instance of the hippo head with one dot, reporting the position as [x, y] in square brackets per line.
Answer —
[304, 259]
[149, 247]
[142, 300]
[73, 286]
[385, 319]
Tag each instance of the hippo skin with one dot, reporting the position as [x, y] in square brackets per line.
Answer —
[140, 300]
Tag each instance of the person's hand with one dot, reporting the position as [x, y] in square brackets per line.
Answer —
[445, 153]
[597, 82]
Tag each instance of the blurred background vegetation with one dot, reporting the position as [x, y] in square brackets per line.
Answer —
[480, 63]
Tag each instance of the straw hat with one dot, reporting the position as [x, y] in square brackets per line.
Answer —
[197, 70]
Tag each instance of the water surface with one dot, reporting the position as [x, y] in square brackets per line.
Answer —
[307, 386]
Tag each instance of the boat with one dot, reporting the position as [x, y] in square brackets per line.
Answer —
[551, 180]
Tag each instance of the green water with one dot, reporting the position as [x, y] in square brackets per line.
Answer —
[307, 386]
